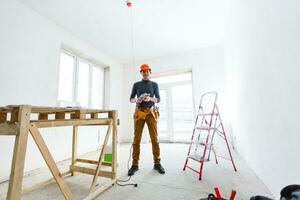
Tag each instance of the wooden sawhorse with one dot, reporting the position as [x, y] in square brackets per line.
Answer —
[18, 121]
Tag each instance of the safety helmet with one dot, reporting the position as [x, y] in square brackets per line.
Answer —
[145, 67]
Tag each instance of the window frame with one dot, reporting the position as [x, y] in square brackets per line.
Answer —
[169, 135]
[75, 82]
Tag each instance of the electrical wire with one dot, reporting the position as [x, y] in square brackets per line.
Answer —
[132, 37]
[129, 4]
[128, 179]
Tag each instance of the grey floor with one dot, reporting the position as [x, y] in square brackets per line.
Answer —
[175, 184]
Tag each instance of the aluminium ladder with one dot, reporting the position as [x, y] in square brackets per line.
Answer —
[208, 125]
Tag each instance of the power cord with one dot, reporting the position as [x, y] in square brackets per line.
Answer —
[129, 4]
[128, 179]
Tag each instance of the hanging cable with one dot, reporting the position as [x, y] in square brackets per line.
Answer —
[129, 5]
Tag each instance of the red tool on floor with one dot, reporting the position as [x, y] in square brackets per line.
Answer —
[208, 125]
[218, 195]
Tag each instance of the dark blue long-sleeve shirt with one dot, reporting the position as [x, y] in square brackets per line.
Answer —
[145, 86]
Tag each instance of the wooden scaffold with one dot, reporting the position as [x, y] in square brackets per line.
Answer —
[18, 121]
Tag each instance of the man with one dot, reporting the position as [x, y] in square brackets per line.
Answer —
[147, 94]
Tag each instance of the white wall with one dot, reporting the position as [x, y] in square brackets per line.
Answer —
[262, 52]
[208, 70]
[29, 65]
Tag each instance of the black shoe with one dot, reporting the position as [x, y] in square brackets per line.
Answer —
[133, 169]
[159, 168]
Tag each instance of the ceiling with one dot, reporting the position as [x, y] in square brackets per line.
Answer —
[160, 27]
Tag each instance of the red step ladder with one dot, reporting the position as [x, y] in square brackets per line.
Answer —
[207, 126]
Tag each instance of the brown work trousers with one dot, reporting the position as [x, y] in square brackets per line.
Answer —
[142, 116]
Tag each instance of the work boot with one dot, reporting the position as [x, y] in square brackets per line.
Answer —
[133, 169]
[159, 168]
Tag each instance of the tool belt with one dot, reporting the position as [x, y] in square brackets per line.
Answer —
[141, 113]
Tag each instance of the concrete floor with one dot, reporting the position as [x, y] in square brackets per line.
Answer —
[175, 184]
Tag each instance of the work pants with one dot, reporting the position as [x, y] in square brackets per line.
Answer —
[148, 116]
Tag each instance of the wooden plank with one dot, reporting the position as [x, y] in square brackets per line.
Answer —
[3, 117]
[114, 150]
[42, 109]
[17, 168]
[82, 115]
[94, 115]
[43, 116]
[91, 171]
[14, 115]
[50, 161]
[72, 122]
[101, 189]
[114, 116]
[78, 114]
[9, 128]
[108, 164]
[52, 110]
[74, 146]
[8, 108]
[60, 115]
[100, 160]
[92, 125]
[89, 111]
[94, 162]
[5, 109]
[74, 116]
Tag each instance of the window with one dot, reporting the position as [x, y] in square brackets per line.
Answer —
[81, 83]
[176, 107]
[66, 77]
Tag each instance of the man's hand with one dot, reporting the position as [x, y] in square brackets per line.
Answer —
[147, 99]
[139, 100]
[136, 100]
[153, 99]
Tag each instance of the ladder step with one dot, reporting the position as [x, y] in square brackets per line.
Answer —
[197, 158]
[206, 128]
[201, 143]
[192, 169]
[207, 114]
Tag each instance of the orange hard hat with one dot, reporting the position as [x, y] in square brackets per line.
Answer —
[145, 67]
